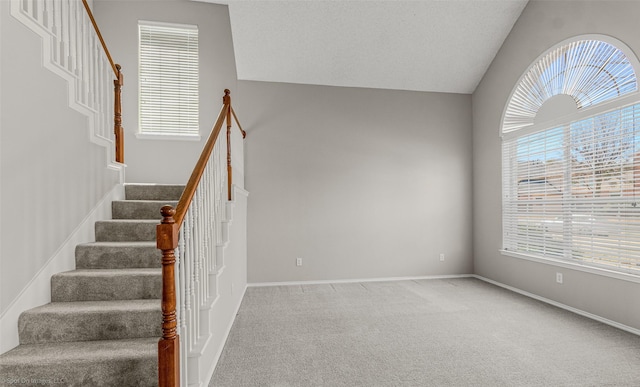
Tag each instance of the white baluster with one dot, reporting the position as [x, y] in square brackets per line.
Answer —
[201, 251]
[39, 12]
[72, 38]
[95, 77]
[192, 291]
[205, 243]
[46, 14]
[181, 305]
[187, 275]
[196, 264]
[57, 31]
[94, 59]
[83, 48]
[207, 230]
[107, 99]
[214, 199]
[99, 93]
[79, 33]
[28, 7]
[51, 5]
[211, 227]
[204, 219]
[182, 290]
[64, 34]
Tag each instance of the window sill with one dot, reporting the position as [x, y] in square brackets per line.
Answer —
[171, 137]
[576, 266]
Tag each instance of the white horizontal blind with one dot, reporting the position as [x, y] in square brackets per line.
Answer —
[591, 71]
[168, 74]
[571, 192]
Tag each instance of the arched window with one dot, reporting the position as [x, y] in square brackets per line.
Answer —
[571, 157]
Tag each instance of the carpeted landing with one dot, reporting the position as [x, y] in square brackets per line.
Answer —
[453, 332]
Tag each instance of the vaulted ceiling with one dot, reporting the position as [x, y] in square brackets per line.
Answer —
[428, 45]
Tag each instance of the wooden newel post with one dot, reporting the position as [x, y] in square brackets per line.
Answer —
[227, 103]
[168, 346]
[117, 116]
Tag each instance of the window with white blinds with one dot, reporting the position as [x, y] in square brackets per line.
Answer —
[168, 79]
[571, 189]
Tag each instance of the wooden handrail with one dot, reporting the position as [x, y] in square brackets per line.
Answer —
[192, 184]
[116, 70]
[244, 134]
[118, 83]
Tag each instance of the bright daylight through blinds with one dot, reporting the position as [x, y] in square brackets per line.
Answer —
[571, 191]
[590, 71]
[168, 74]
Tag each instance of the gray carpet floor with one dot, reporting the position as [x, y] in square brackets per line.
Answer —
[453, 332]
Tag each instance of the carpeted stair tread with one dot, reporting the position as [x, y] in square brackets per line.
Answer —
[126, 230]
[139, 209]
[90, 320]
[130, 362]
[153, 191]
[113, 255]
[106, 284]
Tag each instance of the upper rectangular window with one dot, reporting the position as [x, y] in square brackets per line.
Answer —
[168, 79]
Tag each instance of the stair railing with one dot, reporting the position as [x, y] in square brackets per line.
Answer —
[118, 130]
[189, 237]
[73, 52]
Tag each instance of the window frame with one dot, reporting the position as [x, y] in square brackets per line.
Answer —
[611, 105]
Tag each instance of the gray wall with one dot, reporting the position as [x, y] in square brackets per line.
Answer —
[360, 183]
[541, 25]
[168, 161]
[52, 175]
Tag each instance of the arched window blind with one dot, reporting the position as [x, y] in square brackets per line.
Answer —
[168, 79]
[571, 185]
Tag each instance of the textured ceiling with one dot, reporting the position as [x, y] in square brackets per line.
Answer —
[429, 45]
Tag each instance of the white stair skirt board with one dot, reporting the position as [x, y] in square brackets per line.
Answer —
[230, 289]
[38, 291]
[563, 306]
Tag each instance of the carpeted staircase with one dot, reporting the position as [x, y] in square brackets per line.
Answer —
[104, 320]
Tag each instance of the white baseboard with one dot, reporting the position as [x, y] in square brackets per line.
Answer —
[563, 306]
[347, 281]
[38, 291]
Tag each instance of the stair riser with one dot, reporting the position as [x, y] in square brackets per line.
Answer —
[36, 328]
[113, 231]
[153, 192]
[78, 288]
[122, 257]
[139, 210]
[140, 372]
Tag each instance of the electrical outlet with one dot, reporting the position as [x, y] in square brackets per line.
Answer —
[559, 278]
[441, 257]
[298, 261]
